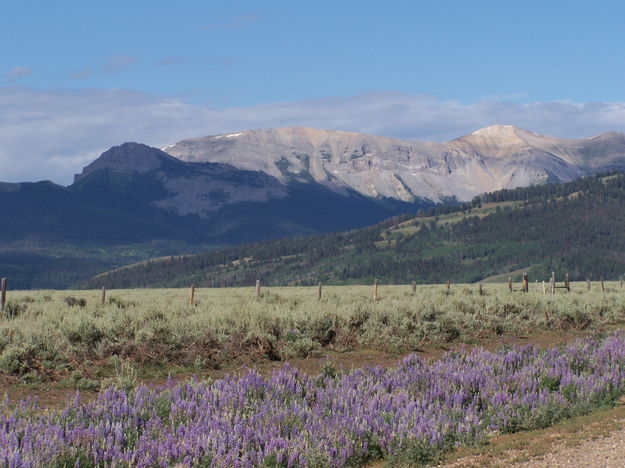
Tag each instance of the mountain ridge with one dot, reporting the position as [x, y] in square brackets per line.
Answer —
[491, 158]
[135, 202]
[573, 228]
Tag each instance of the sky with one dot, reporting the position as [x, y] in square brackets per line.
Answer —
[79, 77]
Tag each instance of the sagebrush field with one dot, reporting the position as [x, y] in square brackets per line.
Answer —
[54, 335]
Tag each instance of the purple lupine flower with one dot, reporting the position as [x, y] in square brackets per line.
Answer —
[300, 420]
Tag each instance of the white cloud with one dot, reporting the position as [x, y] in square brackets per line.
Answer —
[17, 73]
[49, 134]
[113, 65]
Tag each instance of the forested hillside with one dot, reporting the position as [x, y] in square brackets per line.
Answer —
[576, 228]
[136, 202]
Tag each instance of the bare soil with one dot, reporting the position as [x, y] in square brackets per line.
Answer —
[595, 440]
[55, 394]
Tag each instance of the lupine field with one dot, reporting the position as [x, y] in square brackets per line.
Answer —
[406, 415]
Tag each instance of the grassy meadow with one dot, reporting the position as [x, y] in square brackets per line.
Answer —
[68, 336]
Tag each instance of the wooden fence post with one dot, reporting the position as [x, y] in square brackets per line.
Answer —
[192, 295]
[414, 287]
[588, 284]
[526, 283]
[602, 286]
[481, 290]
[509, 284]
[544, 288]
[553, 282]
[257, 288]
[448, 285]
[567, 283]
[103, 297]
[3, 293]
[621, 281]
[319, 297]
[375, 290]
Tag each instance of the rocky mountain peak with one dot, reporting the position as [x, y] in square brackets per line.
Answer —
[608, 136]
[128, 157]
[497, 131]
[492, 158]
[500, 139]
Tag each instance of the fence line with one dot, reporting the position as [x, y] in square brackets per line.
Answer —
[376, 292]
[3, 293]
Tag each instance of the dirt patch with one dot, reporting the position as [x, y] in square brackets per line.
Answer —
[49, 396]
[594, 440]
[54, 395]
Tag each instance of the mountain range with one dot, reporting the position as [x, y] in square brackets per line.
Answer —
[136, 202]
[496, 157]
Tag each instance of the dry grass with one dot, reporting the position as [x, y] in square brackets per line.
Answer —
[68, 335]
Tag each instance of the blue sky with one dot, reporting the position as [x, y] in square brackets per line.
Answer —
[77, 77]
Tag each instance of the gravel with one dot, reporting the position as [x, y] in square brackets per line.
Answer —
[605, 452]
